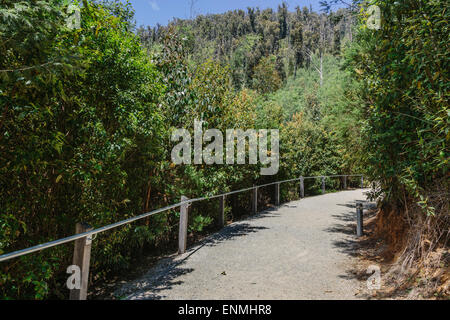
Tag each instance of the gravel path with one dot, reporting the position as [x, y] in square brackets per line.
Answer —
[301, 250]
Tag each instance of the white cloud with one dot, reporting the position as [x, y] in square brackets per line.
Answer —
[154, 5]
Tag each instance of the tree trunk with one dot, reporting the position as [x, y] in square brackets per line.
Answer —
[321, 69]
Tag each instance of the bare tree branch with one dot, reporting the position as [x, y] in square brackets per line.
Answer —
[29, 68]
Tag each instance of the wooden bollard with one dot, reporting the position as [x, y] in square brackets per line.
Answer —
[82, 259]
[277, 194]
[323, 185]
[302, 187]
[345, 183]
[182, 235]
[255, 200]
[221, 222]
[359, 219]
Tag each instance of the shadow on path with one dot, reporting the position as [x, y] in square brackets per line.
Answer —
[164, 279]
[351, 245]
[166, 273]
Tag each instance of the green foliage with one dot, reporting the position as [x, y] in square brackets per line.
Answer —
[312, 112]
[78, 137]
[266, 79]
[199, 223]
[404, 67]
[307, 149]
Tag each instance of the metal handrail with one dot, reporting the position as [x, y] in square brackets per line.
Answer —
[89, 234]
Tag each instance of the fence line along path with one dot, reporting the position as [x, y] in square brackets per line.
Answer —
[84, 232]
[300, 250]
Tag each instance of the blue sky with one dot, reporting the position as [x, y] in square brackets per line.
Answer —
[151, 12]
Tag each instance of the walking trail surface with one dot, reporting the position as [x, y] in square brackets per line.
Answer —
[301, 250]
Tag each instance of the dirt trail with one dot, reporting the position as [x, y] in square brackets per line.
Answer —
[302, 250]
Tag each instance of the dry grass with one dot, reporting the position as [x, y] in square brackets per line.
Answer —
[412, 249]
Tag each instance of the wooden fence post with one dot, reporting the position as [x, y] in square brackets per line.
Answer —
[345, 182]
[82, 258]
[255, 200]
[182, 236]
[222, 211]
[359, 219]
[277, 194]
[323, 185]
[302, 187]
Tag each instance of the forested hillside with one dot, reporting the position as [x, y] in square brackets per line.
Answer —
[86, 117]
[261, 47]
